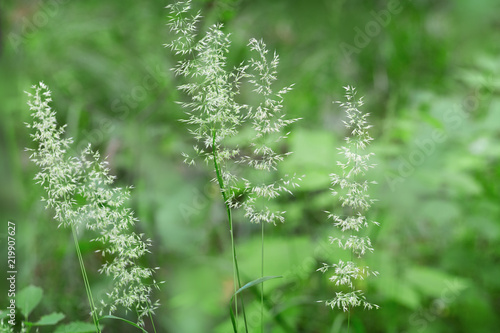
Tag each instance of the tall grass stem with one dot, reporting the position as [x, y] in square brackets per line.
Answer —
[93, 309]
[236, 271]
[262, 275]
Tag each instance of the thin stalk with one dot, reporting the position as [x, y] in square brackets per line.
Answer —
[349, 313]
[262, 275]
[85, 280]
[236, 270]
[152, 322]
[352, 213]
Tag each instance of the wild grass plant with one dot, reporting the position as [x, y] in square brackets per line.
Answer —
[433, 98]
[216, 117]
[352, 191]
[79, 191]
[79, 188]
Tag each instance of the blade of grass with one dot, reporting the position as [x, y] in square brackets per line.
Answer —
[246, 286]
[277, 316]
[125, 320]
[86, 281]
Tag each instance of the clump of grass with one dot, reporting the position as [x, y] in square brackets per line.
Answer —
[215, 117]
[70, 180]
[352, 192]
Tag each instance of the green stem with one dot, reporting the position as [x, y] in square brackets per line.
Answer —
[352, 288]
[86, 280]
[262, 275]
[236, 270]
[152, 321]
[349, 320]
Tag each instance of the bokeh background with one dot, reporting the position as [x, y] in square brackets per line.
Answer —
[430, 74]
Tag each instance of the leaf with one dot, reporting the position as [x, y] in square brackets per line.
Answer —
[246, 286]
[255, 282]
[125, 320]
[28, 298]
[50, 319]
[404, 294]
[434, 283]
[434, 122]
[76, 327]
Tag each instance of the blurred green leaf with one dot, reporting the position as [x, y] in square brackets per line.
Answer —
[124, 320]
[434, 283]
[256, 282]
[28, 298]
[50, 319]
[76, 327]
[246, 286]
[400, 292]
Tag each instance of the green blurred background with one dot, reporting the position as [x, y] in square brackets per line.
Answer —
[430, 74]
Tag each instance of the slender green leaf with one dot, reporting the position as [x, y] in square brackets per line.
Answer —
[246, 286]
[125, 320]
[233, 319]
[257, 281]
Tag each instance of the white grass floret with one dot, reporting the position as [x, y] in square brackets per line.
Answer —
[354, 198]
[100, 207]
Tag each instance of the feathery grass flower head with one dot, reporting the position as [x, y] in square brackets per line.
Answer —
[353, 196]
[215, 115]
[66, 178]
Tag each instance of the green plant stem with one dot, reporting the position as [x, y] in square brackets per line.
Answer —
[86, 280]
[152, 321]
[262, 275]
[352, 288]
[349, 319]
[236, 271]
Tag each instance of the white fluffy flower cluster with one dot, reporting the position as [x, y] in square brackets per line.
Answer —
[79, 191]
[353, 194]
[216, 117]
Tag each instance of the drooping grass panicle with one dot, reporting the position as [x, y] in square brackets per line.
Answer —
[59, 174]
[352, 191]
[212, 110]
[78, 189]
[268, 122]
[214, 113]
[184, 26]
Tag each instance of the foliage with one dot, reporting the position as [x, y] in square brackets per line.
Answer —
[27, 300]
[430, 77]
